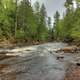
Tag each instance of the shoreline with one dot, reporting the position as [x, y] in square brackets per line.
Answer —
[10, 45]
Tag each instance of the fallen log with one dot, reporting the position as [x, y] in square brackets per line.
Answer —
[69, 49]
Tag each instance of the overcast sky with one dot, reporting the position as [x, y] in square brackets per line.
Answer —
[52, 6]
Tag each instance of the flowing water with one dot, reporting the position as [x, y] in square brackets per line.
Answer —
[37, 64]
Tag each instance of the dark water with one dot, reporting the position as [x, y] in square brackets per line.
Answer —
[36, 65]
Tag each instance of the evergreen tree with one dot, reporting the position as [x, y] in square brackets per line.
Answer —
[41, 15]
[49, 22]
[56, 25]
[26, 20]
[50, 29]
[42, 27]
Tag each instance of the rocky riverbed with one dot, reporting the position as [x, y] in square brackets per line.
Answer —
[37, 62]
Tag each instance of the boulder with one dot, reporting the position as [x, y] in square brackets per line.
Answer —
[60, 57]
[35, 42]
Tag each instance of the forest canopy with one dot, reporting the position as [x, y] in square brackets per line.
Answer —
[19, 21]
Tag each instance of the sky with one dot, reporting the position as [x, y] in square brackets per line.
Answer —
[52, 6]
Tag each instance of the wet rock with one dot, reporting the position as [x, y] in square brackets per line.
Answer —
[60, 57]
[78, 64]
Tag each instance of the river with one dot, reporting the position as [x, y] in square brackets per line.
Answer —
[35, 64]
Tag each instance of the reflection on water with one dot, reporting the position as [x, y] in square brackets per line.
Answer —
[38, 65]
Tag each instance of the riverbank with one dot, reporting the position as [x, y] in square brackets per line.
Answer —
[12, 44]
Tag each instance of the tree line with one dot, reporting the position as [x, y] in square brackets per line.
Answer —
[69, 26]
[22, 22]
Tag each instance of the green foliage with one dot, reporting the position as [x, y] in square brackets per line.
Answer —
[71, 24]
[7, 17]
[33, 24]
[40, 16]
[19, 20]
[68, 3]
[20, 34]
[49, 22]
[26, 19]
[75, 31]
[78, 0]
[56, 25]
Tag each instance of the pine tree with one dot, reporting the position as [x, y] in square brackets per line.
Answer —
[56, 25]
[26, 21]
[42, 24]
[49, 22]
[41, 15]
